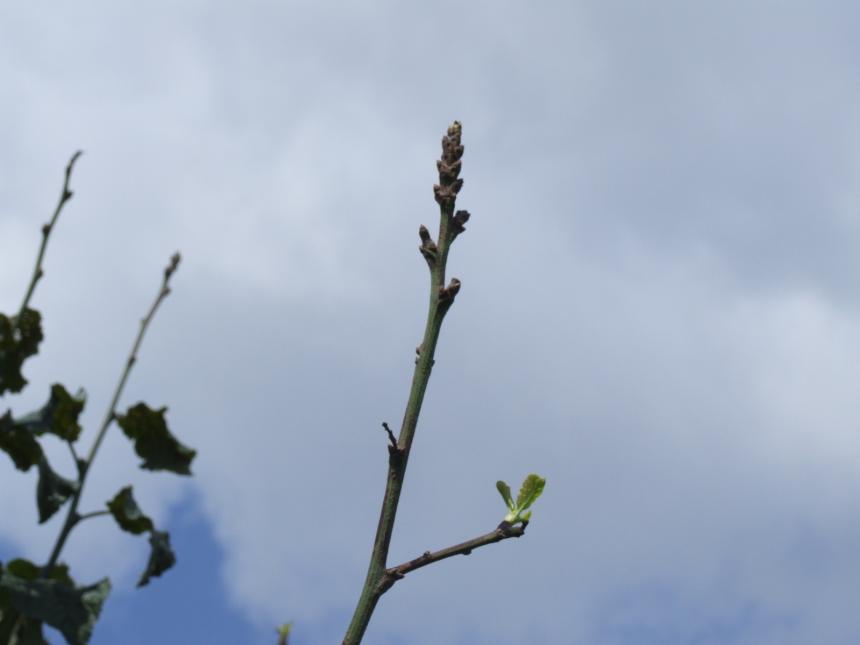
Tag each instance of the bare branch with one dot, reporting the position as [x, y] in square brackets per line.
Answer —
[38, 272]
[441, 299]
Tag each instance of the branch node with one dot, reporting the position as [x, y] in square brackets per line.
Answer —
[428, 247]
[458, 223]
[447, 295]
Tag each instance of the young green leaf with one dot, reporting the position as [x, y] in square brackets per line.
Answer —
[284, 633]
[59, 416]
[153, 442]
[71, 610]
[16, 346]
[19, 443]
[505, 492]
[161, 557]
[127, 513]
[530, 490]
[52, 491]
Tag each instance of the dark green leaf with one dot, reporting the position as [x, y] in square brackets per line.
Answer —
[52, 491]
[23, 569]
[72, 610]
[58, 416]
[17, 347]
[505, 492]
[19, 443]
[531, 489]
[60, 573]
[127, 513]
[161, 557]
[8, 620]
[30, 633]
[153, 442]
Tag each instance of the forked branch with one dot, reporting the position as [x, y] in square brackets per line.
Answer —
[380, 578]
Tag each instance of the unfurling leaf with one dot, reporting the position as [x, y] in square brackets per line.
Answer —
[127, 513]
[530, 490]
[153, 442]
[16, 346]
[161, 557]
[59, 416]
[19, 443]
[284, 633]
[505, 492]
[71, 610]
[52, 491]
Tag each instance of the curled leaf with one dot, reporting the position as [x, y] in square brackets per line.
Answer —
[127, 513]
[161, 557]
[52, 491]
[505, 492]
[153, 442]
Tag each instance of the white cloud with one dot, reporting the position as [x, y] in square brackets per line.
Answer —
[657, 313]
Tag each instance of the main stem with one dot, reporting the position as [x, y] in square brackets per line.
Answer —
[374, 584]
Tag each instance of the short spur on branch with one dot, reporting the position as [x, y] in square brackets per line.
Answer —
[380, 577]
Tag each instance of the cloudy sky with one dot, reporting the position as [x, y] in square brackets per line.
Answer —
[660, 310]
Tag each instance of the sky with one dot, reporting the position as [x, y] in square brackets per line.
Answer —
[659, 312]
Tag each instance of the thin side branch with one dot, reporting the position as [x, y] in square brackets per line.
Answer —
[392, 440]
[92, 514]
[38, 272]
[72, 516]
[503, 532]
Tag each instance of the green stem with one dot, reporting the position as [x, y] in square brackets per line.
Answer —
[38, 272]
[72, 516]
[374, 584]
